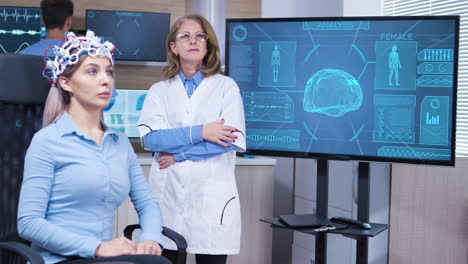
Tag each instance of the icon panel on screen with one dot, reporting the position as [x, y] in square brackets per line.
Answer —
[124, 110]
[277, 66]
[373, 89]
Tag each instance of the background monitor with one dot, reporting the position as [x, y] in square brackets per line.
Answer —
[139, 36]
[124, 110]
[19, 28]
[359, 88]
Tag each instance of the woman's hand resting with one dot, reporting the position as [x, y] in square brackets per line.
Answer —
[123, 246]
[165, 160]
[116, 247]
[148, 247]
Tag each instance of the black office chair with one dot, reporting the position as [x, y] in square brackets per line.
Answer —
[23, 91]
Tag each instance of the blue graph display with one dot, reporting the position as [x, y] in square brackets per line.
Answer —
[373, 88]
[139, 36]
[124, 110]
[19, 28]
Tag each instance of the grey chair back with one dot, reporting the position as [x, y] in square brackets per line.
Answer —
[23, 91]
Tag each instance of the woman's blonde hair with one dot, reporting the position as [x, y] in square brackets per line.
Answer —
[211, 61]
[58, 99]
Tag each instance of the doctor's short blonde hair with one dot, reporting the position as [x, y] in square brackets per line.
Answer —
[211, 61]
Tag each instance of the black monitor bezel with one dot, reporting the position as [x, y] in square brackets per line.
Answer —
[327, 156]
[129, 60]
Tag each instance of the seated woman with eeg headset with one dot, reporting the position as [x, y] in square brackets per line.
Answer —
[78, 170]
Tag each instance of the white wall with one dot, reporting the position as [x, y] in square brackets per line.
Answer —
[278, 8]
[302, 8]
[429, 214]
[215, 12]
[321, 8]
[362, 7]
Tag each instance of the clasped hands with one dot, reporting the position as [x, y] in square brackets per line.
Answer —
[123, 246]
[215, 132]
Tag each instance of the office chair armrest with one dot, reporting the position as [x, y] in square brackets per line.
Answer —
[21, 249]
[176, 237]
[171, 234]
[179, 240]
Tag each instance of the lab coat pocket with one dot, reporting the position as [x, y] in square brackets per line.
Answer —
[229, 212]
[221, 204]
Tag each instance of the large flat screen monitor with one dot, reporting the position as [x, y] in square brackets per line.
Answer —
[359, 88]
[19, 28]
[124, 110]
[139, 36]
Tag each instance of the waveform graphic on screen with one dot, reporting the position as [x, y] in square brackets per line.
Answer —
[27, 14]
[435, 81]
[360, 88]
[20, 32]
[19, 28]
[269, 137]
[414, 153]
[272, 138]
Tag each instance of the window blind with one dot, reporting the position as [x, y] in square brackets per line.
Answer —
[444, 7]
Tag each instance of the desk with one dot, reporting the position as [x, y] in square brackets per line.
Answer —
[350, 231]
[255, 179]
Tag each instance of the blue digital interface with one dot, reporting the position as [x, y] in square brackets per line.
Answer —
[124, 110]
[139, 36]
[19, 28]
[377, 89]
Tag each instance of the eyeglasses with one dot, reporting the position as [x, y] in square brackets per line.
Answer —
[186, 37]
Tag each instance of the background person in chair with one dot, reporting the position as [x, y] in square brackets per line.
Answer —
[57, 18]
[195, 123]
[78, 171]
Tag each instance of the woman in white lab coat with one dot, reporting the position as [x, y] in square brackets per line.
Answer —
[194, 122]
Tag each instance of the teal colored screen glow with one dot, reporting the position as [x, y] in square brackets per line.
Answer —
[124, 110]
[138, 36]
[20, 27]
[377, 89]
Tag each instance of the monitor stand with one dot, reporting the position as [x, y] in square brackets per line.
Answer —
[362, 242]
[322, 209]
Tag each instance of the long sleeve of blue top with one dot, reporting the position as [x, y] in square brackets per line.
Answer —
[172, 140]
[71, 188]
[201, 151]
[185, 143]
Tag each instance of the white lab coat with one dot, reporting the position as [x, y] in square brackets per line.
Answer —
[198, 199]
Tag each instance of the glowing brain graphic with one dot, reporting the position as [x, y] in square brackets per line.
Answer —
[332, 92]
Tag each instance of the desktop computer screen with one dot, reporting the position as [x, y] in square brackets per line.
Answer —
[19, 28]
[139, 36]
[124, 110]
